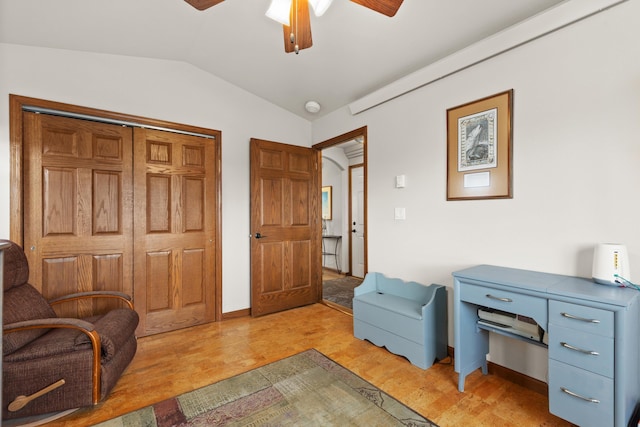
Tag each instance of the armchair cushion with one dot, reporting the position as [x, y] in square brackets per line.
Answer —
[55, 342]
[16, 267]
[22, 303]
[114, 328]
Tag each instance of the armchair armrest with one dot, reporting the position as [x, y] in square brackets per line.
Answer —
[49, 323]
[85, 327]
[93, 294]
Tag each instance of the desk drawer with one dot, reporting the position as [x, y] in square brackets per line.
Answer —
[511, 302]
[566, 379]
[582, 318]
[587, 351]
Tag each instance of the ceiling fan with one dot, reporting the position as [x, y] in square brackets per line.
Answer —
[294, 16]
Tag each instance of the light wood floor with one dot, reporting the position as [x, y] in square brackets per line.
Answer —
[176, 362]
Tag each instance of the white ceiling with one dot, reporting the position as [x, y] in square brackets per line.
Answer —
[355, 50]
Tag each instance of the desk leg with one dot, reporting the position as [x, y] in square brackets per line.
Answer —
[471, 343]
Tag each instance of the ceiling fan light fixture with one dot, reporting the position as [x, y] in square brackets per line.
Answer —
[320, 6]
[279, 11]
[294, 16]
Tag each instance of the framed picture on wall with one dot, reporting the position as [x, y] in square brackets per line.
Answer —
[326, 202]
[479, 149]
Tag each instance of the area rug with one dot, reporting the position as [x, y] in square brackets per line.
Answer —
[307, 389]
[340, 290]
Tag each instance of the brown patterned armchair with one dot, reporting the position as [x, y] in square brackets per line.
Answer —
[50, 363]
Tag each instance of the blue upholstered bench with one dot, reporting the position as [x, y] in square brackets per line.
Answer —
[407, 318]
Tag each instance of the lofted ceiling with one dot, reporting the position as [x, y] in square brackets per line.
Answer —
[355, 50]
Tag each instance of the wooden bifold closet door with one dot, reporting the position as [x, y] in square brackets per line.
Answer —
[109, 207]
[77, 207]
[174, 237]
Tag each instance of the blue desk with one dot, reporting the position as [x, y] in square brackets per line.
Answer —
[593, 337]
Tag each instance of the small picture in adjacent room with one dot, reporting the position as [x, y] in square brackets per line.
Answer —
[326, 203]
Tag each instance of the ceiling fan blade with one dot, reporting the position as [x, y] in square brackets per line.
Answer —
[300, 26]
[386, 7]
[203, 4]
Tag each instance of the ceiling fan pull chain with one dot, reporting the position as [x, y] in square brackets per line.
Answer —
[294, 18]
[296, 48]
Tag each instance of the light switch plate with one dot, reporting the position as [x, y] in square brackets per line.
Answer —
[400, 213]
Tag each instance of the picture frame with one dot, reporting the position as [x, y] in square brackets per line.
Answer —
[479, 149]
[327, 208]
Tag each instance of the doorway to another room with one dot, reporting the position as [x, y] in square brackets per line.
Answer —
[343, 217]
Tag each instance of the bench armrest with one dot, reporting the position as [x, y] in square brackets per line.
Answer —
[369, 284]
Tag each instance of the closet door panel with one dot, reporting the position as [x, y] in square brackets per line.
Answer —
[78, 208]
[175, 215]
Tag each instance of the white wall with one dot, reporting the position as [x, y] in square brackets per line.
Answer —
[165, 90]
[576, 174]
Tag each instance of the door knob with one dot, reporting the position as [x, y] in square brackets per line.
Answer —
[259, 236]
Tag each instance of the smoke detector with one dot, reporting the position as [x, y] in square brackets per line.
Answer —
[312, 107]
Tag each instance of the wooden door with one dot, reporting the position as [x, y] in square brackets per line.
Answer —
[174, 227]
[285, 227]
[77, 204]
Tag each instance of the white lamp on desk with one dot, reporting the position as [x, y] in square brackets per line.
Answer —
[611, 264]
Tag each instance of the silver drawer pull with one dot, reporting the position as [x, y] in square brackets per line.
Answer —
[570, 393]
[582, 319]
[499, 299]
[570, 347]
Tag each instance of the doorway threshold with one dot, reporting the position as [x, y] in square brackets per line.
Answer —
[338, 307]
